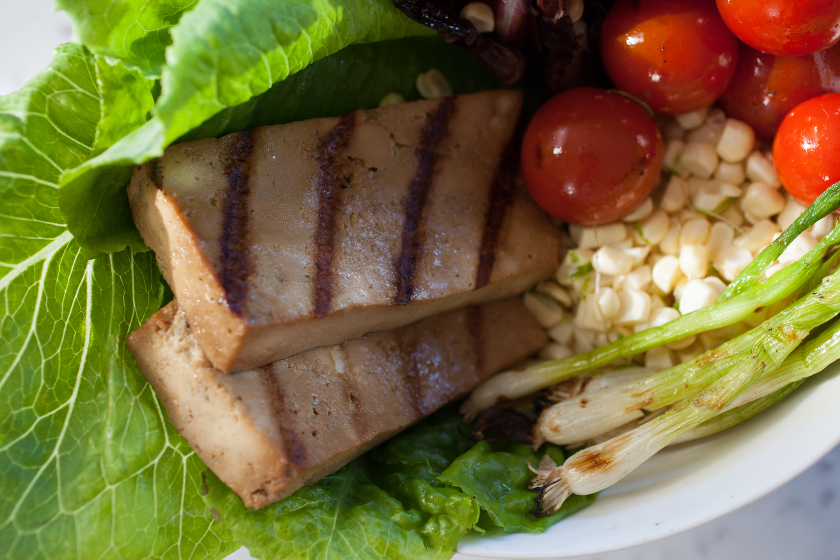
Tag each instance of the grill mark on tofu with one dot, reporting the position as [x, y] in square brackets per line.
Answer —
[292, 445]
[501, 195]
[330, 180]
[427, 153]
[235, 262]
[154, 172]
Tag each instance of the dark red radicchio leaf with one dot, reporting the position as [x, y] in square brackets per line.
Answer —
[503, 423]
[507, 64]
[533, 35]
[511, 20]
[440, 15]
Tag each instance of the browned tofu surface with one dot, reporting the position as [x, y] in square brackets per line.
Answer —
[269, 431]
[290, 237]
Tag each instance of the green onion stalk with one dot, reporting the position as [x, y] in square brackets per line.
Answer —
[618, 400]
[745, 296]
[596, 468]
[812, 357]
[731, 418]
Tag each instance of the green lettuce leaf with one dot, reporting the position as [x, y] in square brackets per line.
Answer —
[223, 53]
[89, 465]
[125, 102]
[366, 73]
[135, 31]
[412, 497]
[498, 479]
[387, 504]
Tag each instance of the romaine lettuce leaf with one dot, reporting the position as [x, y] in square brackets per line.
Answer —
[223, 53]
[125, 101]
[498, 478]
[89, 465]
[135, 31]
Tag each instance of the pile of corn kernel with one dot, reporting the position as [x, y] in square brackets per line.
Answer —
[718, 204]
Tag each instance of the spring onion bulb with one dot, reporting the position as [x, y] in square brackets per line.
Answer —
[598, 467]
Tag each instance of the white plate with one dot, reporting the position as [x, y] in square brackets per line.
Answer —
[687, 485]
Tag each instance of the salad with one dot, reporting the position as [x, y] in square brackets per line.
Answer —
[90, 465]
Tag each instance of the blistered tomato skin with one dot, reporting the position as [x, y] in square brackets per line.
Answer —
[676, 55]
[784, 27]
[806, 149]
[766, 87]
[591, 156]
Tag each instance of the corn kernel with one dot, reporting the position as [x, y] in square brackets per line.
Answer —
[666, 272]
[699, 159]
[720, 236]
[635, 307]
[696, 295]
[612, 261]
[639, 279]
[712, 195]
[562, 332]
[673, 151]
[480, 15]
[652, 229]
[730, 172]
[762, 201]
[695, 231]
[433, 84]
[731, 260]
[547, 312]
[758, 237]
[692, 120]
[670, 244]
[392, 98]
[761, 170]
[554, 351]
[607, 234]
[641, 212]
[658, 359]
[736, 141]
[609, 304]
[675, 196]
[823, 227]
[694, 260]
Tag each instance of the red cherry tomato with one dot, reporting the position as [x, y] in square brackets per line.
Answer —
[591, 156]
[766, 87]
[806, 150]
[677, 55]
[784, 27]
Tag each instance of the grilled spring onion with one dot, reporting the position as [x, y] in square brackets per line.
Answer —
[615, 397]
[744, 296]
[598, 467]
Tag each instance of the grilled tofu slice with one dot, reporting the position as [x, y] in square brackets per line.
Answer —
[269, 431]
[296, 236]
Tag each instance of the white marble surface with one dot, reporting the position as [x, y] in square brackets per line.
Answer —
[799, 521]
